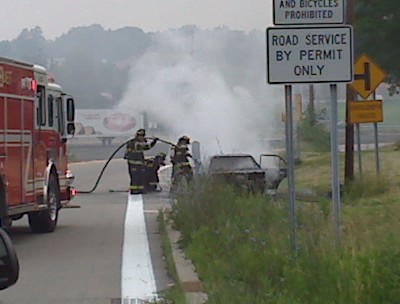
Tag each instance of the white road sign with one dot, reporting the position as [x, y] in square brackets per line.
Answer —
[298, 12]
[309, 54]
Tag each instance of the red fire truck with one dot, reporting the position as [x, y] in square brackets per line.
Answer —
[36, 120]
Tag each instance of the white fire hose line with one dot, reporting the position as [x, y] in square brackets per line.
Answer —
[137, 280]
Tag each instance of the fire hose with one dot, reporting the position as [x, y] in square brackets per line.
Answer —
[109, 160]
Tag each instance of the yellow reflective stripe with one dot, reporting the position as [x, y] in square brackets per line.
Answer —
[136, 187]
[135, 162]
[142, 146]
[181, 165]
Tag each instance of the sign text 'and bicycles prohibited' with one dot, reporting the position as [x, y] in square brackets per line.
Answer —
[309, 54]
[298, 12]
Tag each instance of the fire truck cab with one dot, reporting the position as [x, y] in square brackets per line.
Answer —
[36, 120]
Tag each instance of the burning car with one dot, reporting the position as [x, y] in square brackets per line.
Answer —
[242, 171]
[275, 168]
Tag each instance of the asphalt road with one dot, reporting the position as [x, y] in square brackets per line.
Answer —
[82, 261]
[385, 134]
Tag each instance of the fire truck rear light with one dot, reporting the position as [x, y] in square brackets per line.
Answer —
[33, 85]
[73, 192]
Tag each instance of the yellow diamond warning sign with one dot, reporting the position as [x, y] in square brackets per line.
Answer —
[367, 76]
[366, 111]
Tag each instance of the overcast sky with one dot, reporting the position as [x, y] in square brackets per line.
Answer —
[56, 17]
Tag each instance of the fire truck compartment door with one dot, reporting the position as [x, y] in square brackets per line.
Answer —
[66, 116]
[70, 116]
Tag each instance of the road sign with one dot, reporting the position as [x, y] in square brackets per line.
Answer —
[309, 54]
[365, 111]
[367, 76]
[298, 12]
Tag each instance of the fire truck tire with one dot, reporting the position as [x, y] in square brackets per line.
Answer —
[46, 221]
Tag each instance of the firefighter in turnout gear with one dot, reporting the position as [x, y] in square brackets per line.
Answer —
[152, 166]
[180, 161]
[136, 161]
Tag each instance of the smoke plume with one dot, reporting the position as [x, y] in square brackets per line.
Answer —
[209, 85]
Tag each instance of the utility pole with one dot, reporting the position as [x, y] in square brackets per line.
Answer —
[350, 95]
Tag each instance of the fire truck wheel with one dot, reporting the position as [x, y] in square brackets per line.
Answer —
[46, 221]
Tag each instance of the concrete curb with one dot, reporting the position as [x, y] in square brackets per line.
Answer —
[187, 276]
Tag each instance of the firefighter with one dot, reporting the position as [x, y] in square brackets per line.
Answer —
[136, 162]
[152, 167]
[148, 164]
[180, 161]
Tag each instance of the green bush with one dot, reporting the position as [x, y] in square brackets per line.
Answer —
[316, 136]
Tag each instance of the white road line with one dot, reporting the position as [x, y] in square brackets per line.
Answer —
[137, 270]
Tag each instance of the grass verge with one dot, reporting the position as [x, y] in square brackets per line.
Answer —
[176, 293]
[240, 244]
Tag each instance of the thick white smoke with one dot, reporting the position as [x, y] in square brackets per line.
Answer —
[180, 83]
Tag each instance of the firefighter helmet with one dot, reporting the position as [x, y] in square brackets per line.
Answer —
[141, 132]
[162, 155]
[185, 139]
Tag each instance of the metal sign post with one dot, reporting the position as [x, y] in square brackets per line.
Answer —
[298, 113]
[335, 164]
[359, 152]
[377, 161]
[290, 166]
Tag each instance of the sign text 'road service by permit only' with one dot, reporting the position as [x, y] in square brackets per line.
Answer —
[309, 55]
[297, 12]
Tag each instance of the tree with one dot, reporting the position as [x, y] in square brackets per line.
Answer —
[30, 46]
[377, 31]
